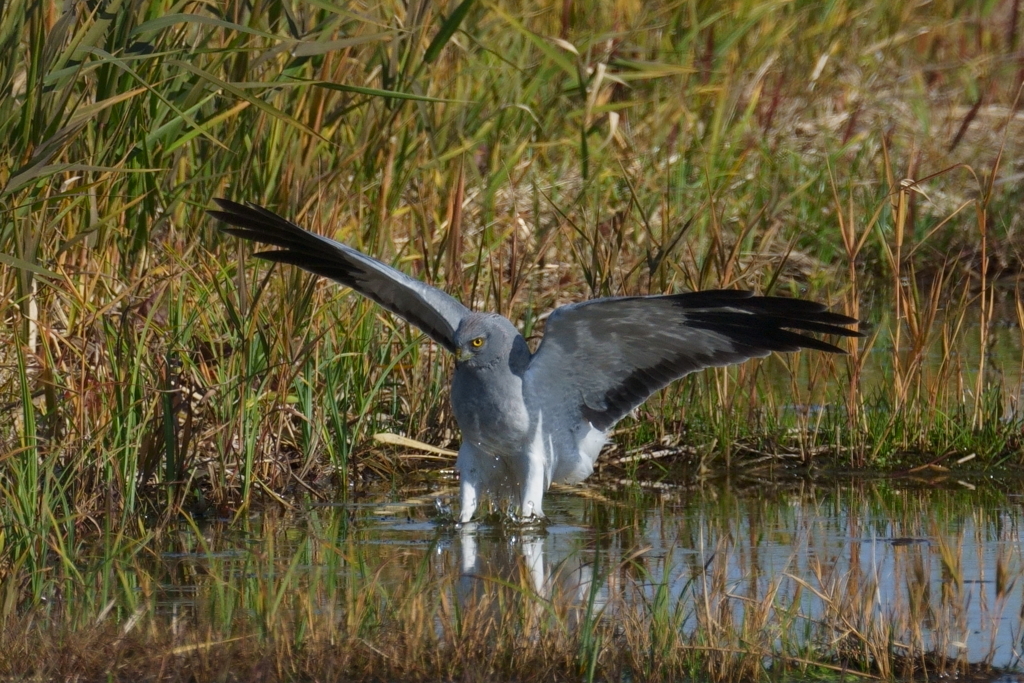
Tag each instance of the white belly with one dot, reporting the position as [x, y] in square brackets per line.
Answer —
[581, 451]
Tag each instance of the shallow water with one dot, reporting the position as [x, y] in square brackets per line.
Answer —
[941, 563]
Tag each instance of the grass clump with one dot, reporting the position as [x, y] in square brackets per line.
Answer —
[520, 161]
[305, 596]
[860, 153]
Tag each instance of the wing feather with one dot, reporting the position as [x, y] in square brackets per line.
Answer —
[426, 307]
[600, 359]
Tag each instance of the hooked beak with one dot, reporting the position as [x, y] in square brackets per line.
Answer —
[463, 355]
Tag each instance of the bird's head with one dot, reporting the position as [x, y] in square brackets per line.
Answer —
[484, 339]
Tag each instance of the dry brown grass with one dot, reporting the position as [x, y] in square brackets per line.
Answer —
[866, 154]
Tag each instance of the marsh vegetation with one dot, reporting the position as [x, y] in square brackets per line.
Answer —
[160, 390]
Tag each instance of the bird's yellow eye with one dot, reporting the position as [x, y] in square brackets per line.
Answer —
[477, 343]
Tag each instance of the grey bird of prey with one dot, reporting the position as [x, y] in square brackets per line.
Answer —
[530, 419]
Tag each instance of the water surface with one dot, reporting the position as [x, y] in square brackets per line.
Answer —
[939, 563]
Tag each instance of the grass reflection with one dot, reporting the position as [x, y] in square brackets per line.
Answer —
[725, 584]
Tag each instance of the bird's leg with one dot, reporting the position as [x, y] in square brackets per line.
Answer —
[470, 478]
[468, 494]
[535, 484]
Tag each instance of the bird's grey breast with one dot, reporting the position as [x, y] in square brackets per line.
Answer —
[572, 443]
[489, 406]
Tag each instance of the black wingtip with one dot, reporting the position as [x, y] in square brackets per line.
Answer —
[241, 215]
[229, 212]
[254, 223]
[769, 322]
[228, 208]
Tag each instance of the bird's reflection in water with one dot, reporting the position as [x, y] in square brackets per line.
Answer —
[540, 566]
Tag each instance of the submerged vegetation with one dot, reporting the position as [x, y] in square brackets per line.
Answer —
[866, 154]
[864, 582]
[332, 594]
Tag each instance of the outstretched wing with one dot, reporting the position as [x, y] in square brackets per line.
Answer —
[426, 307]
[600, 359]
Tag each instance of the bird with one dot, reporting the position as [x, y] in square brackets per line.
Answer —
[532, 418]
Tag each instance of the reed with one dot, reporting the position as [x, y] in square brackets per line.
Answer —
[523, 157]
[304, 596]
